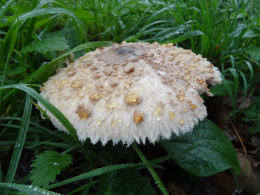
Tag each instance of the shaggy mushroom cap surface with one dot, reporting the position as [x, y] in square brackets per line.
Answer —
[132, 92]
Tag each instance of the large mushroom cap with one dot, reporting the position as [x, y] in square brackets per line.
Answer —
[132, 91]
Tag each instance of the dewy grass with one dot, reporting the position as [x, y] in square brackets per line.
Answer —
[224, 32]
[21, 136]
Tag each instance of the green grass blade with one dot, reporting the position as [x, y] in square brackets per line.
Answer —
[155, 176]
[245, 84]
[251, 70]
[186, 36]
[235, 76]
[93, 173]
[38, 127]
[1, 172]
[26, 16]
[44, 11]
[251, 59]
[4, 9]
[47, 105]
[83, 187]
[19, 141]
[10, 48]
[28, 189]
[12, 35]
[234, 91]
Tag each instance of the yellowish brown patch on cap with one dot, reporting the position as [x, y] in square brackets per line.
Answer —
[71, 71]
[200, 81]
[87, 64]
[129, 69]
[113, 123]
[192, 106]
[95, 96]
[77, 84]
[171, 115]
[99, 121]
[83, 112]
[112, 105]
[187, 72]
[169, 45]
[61, 84]
[158, 111]
[138, 117]
[181, 122]
[133, 99]
[42, 88]
[113, 83]
[181, 96]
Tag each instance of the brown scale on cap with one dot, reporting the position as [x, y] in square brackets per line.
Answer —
[181, 96]
[171, 115]
[129, 69]
[42, 88]
[96, 76]
[83, 112]
[133, 99]
[71, 71]
[113, 122]
[95, 97]
[191, 105]
[158, 111]
[113, 83]
[138, 117]
[87, 65]
[200, 81]
[94, 68]
[77, 84]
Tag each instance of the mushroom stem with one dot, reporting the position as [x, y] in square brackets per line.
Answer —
[151, 170]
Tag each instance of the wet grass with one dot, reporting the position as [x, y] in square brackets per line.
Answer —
[224, 32]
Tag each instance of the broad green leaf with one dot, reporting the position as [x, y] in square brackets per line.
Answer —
[249, 34]
[17, 70]
[252, 115]
[255, 129]
[203, 152]
[28, 189]
[221, 89]
[47, 166]
[253, 112]
[254, 52]
[56, 43]
[125, 182]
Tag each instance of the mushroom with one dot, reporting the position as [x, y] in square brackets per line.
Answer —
[132, 92]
